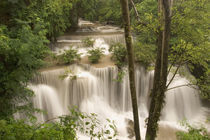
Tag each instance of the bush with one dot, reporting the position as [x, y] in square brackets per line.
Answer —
[68, 73]
[119, 54]
[21, 54]
[65, 128]
[95, 55]
[68, 57]
[144, 54]
[88, 42]
[193, 133]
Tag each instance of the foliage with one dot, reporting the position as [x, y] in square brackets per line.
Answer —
[53, 14]
[11, 129]
[144, 54]
[146, 30]
[109, 11]
[25, 26]
[100, 10]
[120, 75]
[189, 44]
[21, 54]
[87, 9]
[95, 54]
[193, 133]
[203, 84]
[68, 57]
[119, 54]
[65, 128]
[68, 73]
[88, 42]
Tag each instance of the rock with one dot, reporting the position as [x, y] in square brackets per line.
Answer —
[130, 128]
[110, 22]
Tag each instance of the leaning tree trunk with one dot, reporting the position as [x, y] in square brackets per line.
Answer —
[128, 39]
[160, 77]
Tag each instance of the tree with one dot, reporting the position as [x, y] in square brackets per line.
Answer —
[24, 28]
[161, 66]
[190, 41]
[189, 44]
[21, 54]
[128, 39]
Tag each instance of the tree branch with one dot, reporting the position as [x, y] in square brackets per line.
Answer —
[181, 86]
[171, 66]
[137, 14]
[185, 47]
[173, 76]
[174, 61]
[54, 118]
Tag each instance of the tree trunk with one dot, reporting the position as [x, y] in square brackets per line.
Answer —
[160, 77]
[128, 39]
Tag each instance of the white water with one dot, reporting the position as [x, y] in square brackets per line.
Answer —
[103, 36]
[95, 91]
[46, 98]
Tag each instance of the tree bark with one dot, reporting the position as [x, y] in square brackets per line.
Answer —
[128, 39]
[160, 77]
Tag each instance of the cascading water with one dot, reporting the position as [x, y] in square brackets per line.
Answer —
[182, 102]
[95, 90]
[46, 98]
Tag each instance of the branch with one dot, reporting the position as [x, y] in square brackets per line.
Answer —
[54, 118]
[137, 14]
[180, 63]
[171, 65]
[173, 76]
[175, 73]
[180, 86]
[171, 7]
[174, 61]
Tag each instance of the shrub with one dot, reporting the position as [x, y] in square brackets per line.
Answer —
[88, 42]
[69, 56]
[65, 128]
[68, 73]
[95, 55]
[193, 133]
[119, 54]
[144, 54]
[11, 129]
[21, 55]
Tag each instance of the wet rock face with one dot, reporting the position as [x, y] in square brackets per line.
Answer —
[130, 128]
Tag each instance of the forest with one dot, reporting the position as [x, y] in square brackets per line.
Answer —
[104, 69]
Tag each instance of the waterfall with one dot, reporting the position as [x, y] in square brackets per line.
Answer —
[47, 99]
[99, 82]
[95, 90]
[104, 35]
[182, 102]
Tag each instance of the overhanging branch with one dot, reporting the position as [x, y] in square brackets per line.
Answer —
[191, 85]
[137, 14]
[135, 10]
